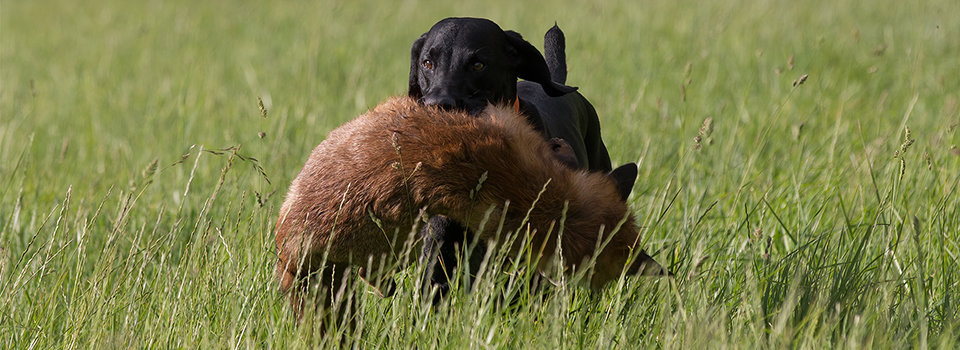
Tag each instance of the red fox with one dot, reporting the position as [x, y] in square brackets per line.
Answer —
[362, 190]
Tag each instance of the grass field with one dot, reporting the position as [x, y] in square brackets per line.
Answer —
[137, 200]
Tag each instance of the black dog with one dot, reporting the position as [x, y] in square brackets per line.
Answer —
[464, 63]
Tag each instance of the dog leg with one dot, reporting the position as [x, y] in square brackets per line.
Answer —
[444, 241]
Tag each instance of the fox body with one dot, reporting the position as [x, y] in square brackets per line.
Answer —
[360, 194]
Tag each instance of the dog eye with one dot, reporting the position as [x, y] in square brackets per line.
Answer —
[428, 64]
[478, 66]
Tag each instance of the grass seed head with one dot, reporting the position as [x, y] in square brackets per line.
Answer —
[150, 169]
[395, 142]
[766, 254]
[262, 199]
[879, 50]
[63, 150]
[707, 128]
[703, 135]
[263, 110]
[757, 234]
[3, 261]
[798, 82]
[907, 141]
[184, 157]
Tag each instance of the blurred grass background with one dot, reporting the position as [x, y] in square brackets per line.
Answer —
[802, 219]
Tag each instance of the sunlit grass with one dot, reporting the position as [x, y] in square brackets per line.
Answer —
[140, 176]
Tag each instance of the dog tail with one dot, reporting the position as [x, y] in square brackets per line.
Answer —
[554, 52]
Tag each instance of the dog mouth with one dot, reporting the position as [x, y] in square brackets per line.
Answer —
[470, 107]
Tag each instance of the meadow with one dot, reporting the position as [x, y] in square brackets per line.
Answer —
[799, 172]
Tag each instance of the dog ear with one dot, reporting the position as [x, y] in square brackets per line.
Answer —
[563, 152]
[532, 67]
[624, 177]
[414, 89]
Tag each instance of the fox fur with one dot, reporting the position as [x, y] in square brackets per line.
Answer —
[363, 189]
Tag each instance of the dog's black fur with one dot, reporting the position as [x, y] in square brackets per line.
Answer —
[465, 63]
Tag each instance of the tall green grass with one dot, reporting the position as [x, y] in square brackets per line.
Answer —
[137, 197]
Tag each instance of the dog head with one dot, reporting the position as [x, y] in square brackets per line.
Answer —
[464, 63]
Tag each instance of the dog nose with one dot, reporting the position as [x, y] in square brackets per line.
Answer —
[444, 102]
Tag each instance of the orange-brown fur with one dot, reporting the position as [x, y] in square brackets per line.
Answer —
[402, 157]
